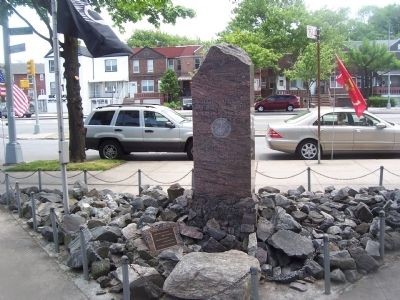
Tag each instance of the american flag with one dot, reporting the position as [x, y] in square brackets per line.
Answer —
[21, 102]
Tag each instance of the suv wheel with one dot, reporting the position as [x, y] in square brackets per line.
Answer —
[189, 150]
[110, 150]
[290, 107]
[260, 108]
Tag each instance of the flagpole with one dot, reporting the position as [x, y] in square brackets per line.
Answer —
[319, 94]
[13, 153]
[62, 144]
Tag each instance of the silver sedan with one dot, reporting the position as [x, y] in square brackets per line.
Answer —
[341, 131]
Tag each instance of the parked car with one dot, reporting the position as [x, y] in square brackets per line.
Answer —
[278, 102]
[30, 111]
[341, 131]
[187, 103]
[115, 130]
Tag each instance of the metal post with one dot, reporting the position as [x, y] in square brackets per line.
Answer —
[62, 144]
[382, 234]
[7, 182]
[33, 212]
[125, 278]
[85, 176]
[55, 229]
[36, 128]
[18, 199]
[319, 95]
[83, 252]
[381, 175]
[140, 181]
[192, 179]
[309, 178]
[40, 179]
[13, 148]
[327, 266]
[254, 283]
[388, 105]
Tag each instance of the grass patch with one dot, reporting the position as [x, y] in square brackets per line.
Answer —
[54, 165]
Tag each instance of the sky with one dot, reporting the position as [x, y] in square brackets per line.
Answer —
[212, 16]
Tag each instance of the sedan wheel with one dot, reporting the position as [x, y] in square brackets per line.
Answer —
[290, 108]
[260, 108]
[110, 150]
[308, 150]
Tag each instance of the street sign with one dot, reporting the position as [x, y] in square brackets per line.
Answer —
[311, 32]
[17, 48]
[20, 31]
[24, 83]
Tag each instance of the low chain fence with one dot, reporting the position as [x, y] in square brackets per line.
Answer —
[139, 178]
[253, 272]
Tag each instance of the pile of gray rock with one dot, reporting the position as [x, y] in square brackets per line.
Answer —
[287, 246]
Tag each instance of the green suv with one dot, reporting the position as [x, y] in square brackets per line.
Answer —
[116, 130]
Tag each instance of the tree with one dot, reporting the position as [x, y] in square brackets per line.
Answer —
[305, 67]
[121, 11]
[155, 38]
[169, 85]
[370, 58]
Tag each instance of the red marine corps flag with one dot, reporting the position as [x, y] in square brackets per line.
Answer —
[356, 97]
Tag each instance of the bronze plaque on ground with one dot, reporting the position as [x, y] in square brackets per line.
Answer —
[161, 236]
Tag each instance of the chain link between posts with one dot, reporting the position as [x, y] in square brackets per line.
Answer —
[23, 177]
[112, 181]
[352, 178]
[168, 182]
[287, 177]
[390, 172]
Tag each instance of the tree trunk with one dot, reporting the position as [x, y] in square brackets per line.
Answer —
[74, 100]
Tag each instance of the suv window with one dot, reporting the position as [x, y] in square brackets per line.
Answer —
[101, 118]
[154, 119]
[128, 118]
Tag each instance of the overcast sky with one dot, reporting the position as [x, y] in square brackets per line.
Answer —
[212, 16]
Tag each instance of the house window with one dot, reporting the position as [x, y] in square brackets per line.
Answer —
[170, 64]
[281, 82]
[52, 88]
[197, 63]
[334, 84]
[150, 66]
[136, 68]
[178, 62]
[110, 87]
[51, 66]
[147, 86]
[42, 92]
[41, 77]
[110, 65]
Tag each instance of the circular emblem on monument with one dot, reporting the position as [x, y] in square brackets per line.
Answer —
[221, 128]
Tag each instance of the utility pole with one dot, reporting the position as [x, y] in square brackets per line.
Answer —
[13, 148]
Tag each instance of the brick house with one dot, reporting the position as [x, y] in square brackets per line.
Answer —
[148, 65]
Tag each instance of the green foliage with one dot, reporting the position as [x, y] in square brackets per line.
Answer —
[54, 165]
[375, 101]
[175, 104]
[156, 11]
[156, 38]
[169, 85]
[305, 67]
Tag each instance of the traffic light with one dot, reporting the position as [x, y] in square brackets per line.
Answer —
[30, 67]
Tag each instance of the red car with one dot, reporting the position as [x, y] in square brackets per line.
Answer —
[278, 102]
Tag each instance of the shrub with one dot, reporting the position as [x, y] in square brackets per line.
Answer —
[376, 101]
[176, 104]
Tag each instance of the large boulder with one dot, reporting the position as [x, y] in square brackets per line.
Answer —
[291, 243]
[198, 276]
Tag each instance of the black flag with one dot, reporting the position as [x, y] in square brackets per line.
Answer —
[78, 19]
